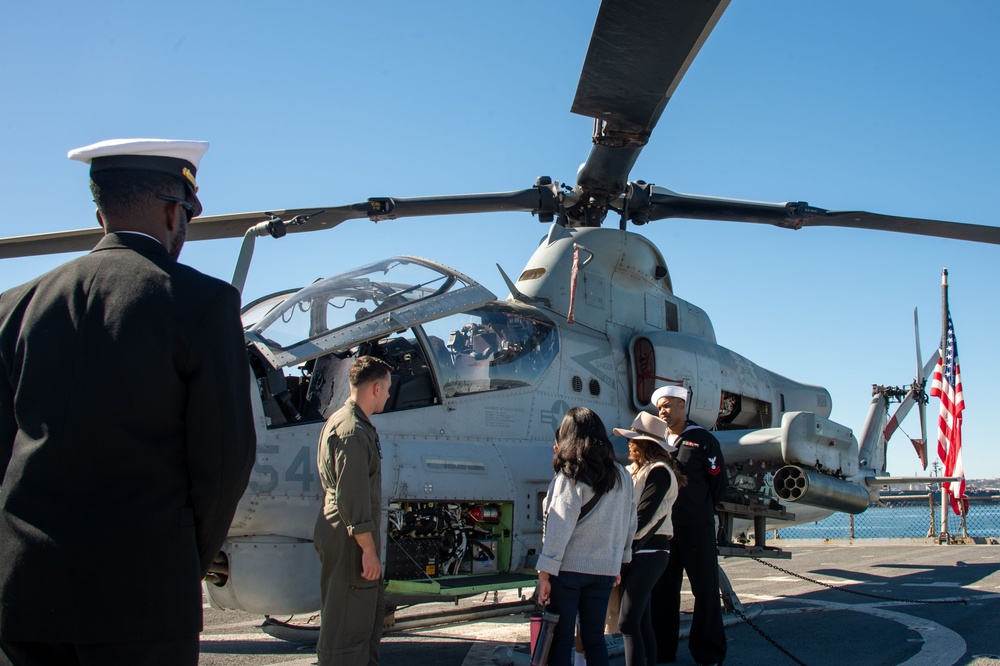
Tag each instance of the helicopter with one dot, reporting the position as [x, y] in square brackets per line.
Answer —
[481, 382]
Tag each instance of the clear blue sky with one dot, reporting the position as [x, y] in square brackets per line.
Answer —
[848, 104]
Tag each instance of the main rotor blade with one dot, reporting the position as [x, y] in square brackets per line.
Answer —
[798, 214]
[638, 54]
[212, 227]
[201, 228]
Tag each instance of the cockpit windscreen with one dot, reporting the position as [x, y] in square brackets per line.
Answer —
[342, 300]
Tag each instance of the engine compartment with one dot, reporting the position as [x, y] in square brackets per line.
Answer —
[429, 540]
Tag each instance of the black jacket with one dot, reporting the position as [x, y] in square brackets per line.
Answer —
[126, 442]
[700, 458]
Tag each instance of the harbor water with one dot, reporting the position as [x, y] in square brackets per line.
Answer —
[901, 519]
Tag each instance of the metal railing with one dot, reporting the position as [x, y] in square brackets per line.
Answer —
[904, 517]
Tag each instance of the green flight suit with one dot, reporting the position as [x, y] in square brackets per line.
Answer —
[350, 467]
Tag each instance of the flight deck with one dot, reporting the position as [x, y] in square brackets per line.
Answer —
[880, 602]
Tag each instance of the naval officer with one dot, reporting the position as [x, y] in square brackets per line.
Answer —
[126, 435]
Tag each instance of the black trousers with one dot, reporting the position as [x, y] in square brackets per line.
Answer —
[692, 551]
[161, 652]
[635, 619]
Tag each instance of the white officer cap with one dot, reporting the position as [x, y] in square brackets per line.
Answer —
[669, 392]
[176, 158]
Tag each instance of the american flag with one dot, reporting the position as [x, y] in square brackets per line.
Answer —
[947, 386]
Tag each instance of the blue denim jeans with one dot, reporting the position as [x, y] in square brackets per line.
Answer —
[585, 596]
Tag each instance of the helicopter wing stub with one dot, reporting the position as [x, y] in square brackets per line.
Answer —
[639, 52]
[665, 204]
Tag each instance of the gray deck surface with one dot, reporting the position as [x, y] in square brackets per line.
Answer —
[818, 625]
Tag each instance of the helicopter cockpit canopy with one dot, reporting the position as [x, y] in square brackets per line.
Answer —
[454, 338]
[363, 304]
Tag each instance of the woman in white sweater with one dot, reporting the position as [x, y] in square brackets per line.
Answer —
[590, 519]
[656, 478]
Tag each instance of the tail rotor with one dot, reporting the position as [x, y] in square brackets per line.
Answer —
[920, 395]
[915, 395]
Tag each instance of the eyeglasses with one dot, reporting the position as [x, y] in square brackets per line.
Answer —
[188, 206]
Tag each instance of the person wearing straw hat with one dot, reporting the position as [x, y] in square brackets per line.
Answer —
[692, 548]
[126, 429]
[656, 480]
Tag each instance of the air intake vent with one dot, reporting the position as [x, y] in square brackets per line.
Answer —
[577, 383]
[595, 387]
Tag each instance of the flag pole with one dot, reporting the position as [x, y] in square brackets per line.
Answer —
[943, 537]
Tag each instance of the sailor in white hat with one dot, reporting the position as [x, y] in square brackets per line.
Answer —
[120, 168]
[693, 549]
[668, 392]
[671, 403]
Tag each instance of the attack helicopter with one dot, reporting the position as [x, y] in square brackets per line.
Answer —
[481, 383]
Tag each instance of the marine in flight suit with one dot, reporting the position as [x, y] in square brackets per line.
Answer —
[348, 530]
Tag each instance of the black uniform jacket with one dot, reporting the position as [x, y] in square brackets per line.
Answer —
[700, 458]
[126, 441]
